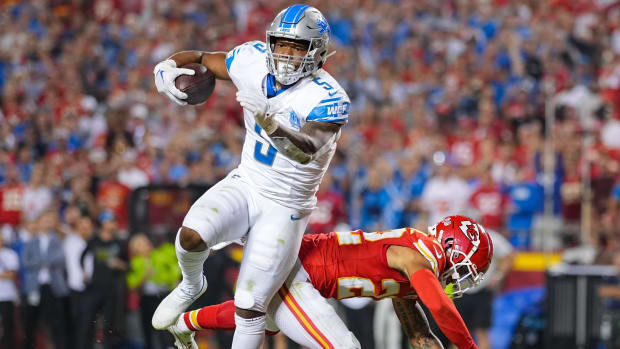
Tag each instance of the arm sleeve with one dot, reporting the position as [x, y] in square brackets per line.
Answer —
[441, 307]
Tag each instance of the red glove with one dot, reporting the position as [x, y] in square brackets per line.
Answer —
[440, 305]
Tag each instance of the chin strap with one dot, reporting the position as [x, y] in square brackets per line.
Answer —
[330, 54]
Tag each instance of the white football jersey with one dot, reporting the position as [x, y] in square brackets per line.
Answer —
[315, 98]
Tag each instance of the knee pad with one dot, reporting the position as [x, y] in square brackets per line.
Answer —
[264, 254]
[244, 300]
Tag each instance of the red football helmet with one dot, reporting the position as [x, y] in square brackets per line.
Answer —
[469, 251]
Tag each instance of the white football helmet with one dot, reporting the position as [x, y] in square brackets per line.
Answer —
[298, 22]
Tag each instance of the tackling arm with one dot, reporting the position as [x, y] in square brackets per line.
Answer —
[410, 262]
[445, 313]
[415, 325]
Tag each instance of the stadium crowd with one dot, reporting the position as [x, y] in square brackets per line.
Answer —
[449, 101]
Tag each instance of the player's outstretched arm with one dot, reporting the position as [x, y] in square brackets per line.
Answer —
[415, 324]
[441, 307]
[410, 262]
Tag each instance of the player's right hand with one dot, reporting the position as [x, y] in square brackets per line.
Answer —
[165, 73]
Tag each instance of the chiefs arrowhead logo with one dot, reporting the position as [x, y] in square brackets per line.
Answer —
[471, 232]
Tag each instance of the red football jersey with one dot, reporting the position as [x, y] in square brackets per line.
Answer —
[11, 204]
[354, 264]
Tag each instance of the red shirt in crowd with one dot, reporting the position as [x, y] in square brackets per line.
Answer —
[491, 204]
[11, 204]
[329, 211]
[114, 196]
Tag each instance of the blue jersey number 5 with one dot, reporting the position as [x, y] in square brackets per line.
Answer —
[267, 158]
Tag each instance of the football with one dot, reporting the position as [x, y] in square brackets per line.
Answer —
[198, 86]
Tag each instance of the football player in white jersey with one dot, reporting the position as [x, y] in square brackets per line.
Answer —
[293, 112]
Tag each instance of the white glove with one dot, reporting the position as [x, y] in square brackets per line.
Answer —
[165, 73]
[259, 106]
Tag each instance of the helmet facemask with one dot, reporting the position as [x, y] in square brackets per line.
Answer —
[463, 273]
[282, 66]
[468, 249]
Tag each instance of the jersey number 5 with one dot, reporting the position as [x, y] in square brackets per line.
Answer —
[267, 157]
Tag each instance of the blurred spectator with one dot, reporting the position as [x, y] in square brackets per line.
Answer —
[113, 197]
[11, 200]
[9, 265]
[330, 208]
[375, 198]
[81, 196]
[154, 272]
[526, 200]
[614, 209]
[37, 195]
[105, 291]
[410, 179]
[129, 174]
[445, 193]
[74, 245]
[45, 285]
[489, 202]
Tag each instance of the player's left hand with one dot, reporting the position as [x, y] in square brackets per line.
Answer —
[259, 106]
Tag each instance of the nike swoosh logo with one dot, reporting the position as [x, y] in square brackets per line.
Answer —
[332, 94]
[293, 218]
[161, 74]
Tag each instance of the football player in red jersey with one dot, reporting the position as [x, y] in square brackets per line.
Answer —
[406, 265]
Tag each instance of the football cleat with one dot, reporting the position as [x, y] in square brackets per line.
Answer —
[183, 337]
[174, 304]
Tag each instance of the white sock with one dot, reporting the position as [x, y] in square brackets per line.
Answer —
[249, 333]
[191, 264]
[181, 325]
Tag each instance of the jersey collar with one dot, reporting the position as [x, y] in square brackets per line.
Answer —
[271, 86]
